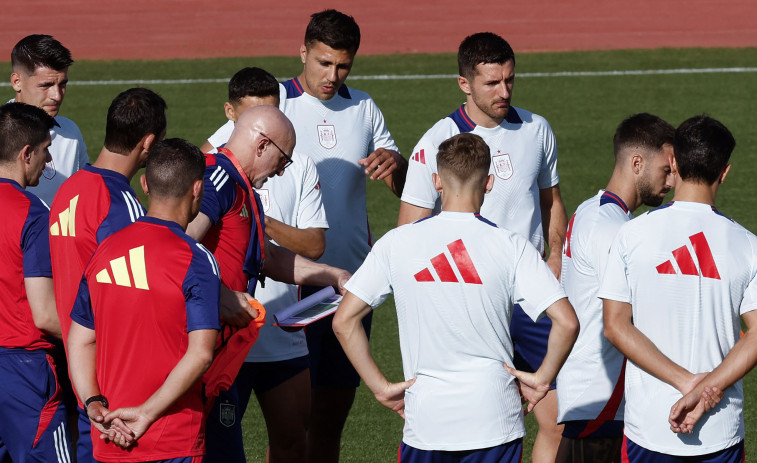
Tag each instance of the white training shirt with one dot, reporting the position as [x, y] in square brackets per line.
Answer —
[69, 154]
[589, 383]
[455, 278]
[524, 161]
[336, 134]
[689, 272]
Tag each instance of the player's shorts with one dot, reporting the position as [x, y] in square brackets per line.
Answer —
[223, 430]
[633, 452]
[264, 376]
[601, 446]
[329, 365]
[180, 460]
[33, 423]
[529, 340]
[84, 441]
[509, 452]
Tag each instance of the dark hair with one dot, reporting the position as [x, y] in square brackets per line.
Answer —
[643, 130]
[252, 82]
[465, 156]
[335, 29]
[20, 125]
[702, 148]
[483, 47]
[133, 114]
[34, 51]
[172, 166]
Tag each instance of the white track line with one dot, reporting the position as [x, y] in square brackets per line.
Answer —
[632, 72]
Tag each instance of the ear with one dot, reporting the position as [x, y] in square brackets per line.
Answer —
[464, 84]
[637, 163]
[489, 183]
[303, 53]
[674, 165]
[147, 141]
[725, 173]
[143, 182]
[197, 190]
[16, 81]
[231, 114]
[25, 154]
[437, 182]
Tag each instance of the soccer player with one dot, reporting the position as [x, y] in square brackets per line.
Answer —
[231, 224]
[455, 278]
[277, 366]
[526, 195]
[590, 384]
[32, 415]
[677, 280]
[40, 74]
[98, 201]
[146, 319]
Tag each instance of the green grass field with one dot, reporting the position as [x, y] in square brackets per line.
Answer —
[583, 111]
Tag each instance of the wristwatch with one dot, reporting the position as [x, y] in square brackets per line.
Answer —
[96, 398]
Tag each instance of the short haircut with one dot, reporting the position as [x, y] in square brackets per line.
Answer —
[173, 165]
[702, 148]
[133, 114]
[642, 130]
[38, 50]
[252, 82]
[465, 156]
[335, 29]
[20, 125]
[483, 47]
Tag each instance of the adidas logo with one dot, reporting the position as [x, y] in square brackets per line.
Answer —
[444, 270]
[119, 269]
[685, 262]
[420, 156]
[66, 224]
[245, 212]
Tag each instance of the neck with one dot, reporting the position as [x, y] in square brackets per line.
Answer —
[125, 164]
[461, 201]
[695, 192]
[174, 210]
[10, 172]
[479, 117]
[625, 189]
[242, 159]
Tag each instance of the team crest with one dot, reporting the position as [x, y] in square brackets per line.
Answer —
[503, 167]
[265, 198]
[327, 136]
[226, 414]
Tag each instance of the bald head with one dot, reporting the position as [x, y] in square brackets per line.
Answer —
[263, 139]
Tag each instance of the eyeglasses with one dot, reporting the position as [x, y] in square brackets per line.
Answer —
[288, 158]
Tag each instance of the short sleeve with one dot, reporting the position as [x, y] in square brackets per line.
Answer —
[220, 193]
[749, 302]
[202, 287]
[371, 283]
[82, 313]
[35, 241]
[614, 284]
[419, 186]
[310, 213]
[381, 136]
[548, 176]
[222, 135]
[536, 287]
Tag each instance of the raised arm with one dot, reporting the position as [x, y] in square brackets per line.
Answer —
[283, 265]
[387, 165]
[308, 242]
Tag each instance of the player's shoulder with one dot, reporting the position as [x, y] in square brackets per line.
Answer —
[443, 129]
[518, 115]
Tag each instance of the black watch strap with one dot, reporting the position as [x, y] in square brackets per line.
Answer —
[96, 398]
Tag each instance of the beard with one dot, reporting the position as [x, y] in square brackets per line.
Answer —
[648, 195]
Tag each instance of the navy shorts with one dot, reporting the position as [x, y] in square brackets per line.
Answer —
[576, 429]
[529, 340]
[329, 365]
[223, 429]
[33, 423]
[632, 452]
[509, 452]
[84, 441]
[264, 376]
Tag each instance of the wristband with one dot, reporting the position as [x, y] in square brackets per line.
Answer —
[96, 398]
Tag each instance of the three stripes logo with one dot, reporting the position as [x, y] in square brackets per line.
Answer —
[219, 177]
[244, 212]
[131, 273]
[685, 262]
[66, 224]
[466, 270]
[420, 156]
